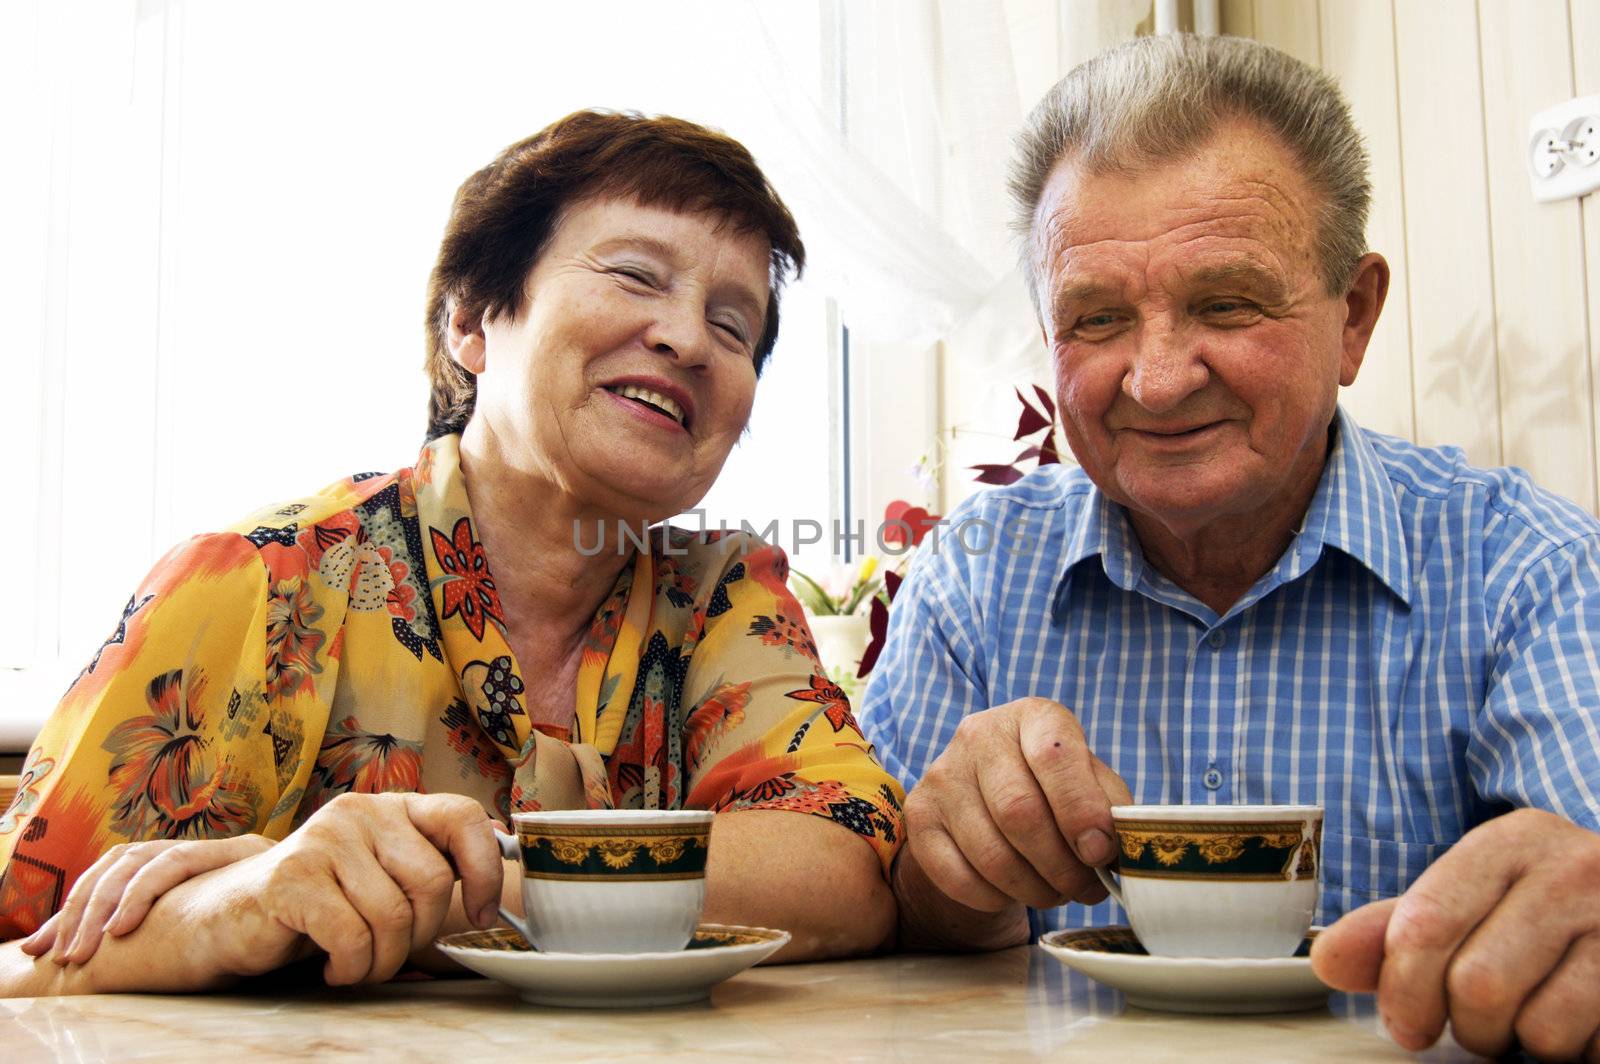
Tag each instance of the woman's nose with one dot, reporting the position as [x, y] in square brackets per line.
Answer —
[679, 329]
[1167, 368]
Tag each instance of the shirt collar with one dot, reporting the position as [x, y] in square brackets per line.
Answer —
[1353, 511]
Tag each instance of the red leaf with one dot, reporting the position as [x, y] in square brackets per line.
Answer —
[878, 623]
[895, 509]
[1048, 455]
[1031, 420]
[1031, 452]
[996, 474]
[1049, 404]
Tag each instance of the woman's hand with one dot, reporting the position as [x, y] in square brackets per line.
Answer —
[113, 895]
[368, 879]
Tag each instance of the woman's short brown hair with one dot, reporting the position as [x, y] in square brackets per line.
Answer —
[504, 214]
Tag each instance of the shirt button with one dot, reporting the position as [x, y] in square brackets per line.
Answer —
[1212, 779]
[1217, 638]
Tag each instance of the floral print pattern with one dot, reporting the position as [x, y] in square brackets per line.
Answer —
[354, 642]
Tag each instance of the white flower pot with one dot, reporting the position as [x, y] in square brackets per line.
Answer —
[840, 643]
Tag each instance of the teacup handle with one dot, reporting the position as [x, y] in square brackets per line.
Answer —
[511, 850]
[1108, 878]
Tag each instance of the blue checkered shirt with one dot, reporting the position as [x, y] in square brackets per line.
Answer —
[1424, 656]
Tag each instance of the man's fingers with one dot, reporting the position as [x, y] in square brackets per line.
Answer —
[1113, 786]
[1501, 965]
[1431, 921]
[944, 865]
[1349, 955]
[1560, 1021]
[1054, 748]
[459, 827]
[1034, 865]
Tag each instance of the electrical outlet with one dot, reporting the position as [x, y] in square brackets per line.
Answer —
[1564, 150]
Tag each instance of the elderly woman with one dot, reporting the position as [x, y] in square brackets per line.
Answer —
[302, 730]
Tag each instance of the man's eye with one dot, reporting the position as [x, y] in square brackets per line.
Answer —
[1096, 324]
[1225, 306]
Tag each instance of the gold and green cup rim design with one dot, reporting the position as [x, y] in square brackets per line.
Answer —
[604, 854]
[614, 849]
[1269, 849]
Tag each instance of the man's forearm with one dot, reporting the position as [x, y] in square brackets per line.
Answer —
[814, 878]
[931, 920]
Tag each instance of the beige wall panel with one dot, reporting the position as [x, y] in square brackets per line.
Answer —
[1293, 25]
[1447, 228]
[1586, 64]
[1239, 18]
[1358, 49]
[1545, 388]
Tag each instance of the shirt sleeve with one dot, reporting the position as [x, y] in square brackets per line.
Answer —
[765, 727]
[189, 722]
[929, 674]
[1537, 741]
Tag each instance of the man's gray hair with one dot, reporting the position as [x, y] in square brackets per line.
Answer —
[1157, 99]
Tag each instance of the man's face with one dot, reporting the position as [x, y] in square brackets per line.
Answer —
[1197, 353]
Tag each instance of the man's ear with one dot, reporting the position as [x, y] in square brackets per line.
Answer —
[1362, 305]
[465, 339]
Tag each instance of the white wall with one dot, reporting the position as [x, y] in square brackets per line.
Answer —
[216, 225]
[1489, 339]
[1491, 334]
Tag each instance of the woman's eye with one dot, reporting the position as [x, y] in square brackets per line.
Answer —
[732, 329]
[636, 274]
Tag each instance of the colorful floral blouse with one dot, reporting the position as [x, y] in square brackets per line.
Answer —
[353, 642]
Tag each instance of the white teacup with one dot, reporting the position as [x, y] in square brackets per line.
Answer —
[610, 880]
[1217, 880]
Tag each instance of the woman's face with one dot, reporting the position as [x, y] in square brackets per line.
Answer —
[630, 372]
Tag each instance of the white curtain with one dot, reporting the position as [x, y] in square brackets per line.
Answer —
[216, 221]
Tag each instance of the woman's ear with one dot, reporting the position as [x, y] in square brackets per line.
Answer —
[465, 339]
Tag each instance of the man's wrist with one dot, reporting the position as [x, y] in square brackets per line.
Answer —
[930, 919]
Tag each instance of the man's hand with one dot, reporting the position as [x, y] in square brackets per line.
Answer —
[1501, 936]
[1016, 809]
[368, 879]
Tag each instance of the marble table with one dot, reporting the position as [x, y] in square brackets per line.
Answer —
[1019, 1004]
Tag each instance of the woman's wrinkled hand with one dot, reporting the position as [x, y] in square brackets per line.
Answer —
[368, 879]
[114, 894]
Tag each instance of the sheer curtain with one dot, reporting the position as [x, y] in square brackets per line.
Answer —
[216, 222]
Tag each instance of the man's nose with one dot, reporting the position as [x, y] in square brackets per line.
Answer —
[1167, 368]
[679, 329]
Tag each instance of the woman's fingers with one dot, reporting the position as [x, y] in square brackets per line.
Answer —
[120, 861]
[340, 932]
[384, 908]
[172, 867]
[423, 875]
[39, 943]
[458, 827]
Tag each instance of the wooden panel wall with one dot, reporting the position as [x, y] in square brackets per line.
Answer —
[1492, 329]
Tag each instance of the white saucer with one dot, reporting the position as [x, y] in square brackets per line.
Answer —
[614, 980]
[1113, 956]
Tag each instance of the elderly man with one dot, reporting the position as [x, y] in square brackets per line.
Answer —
[1243, 596]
